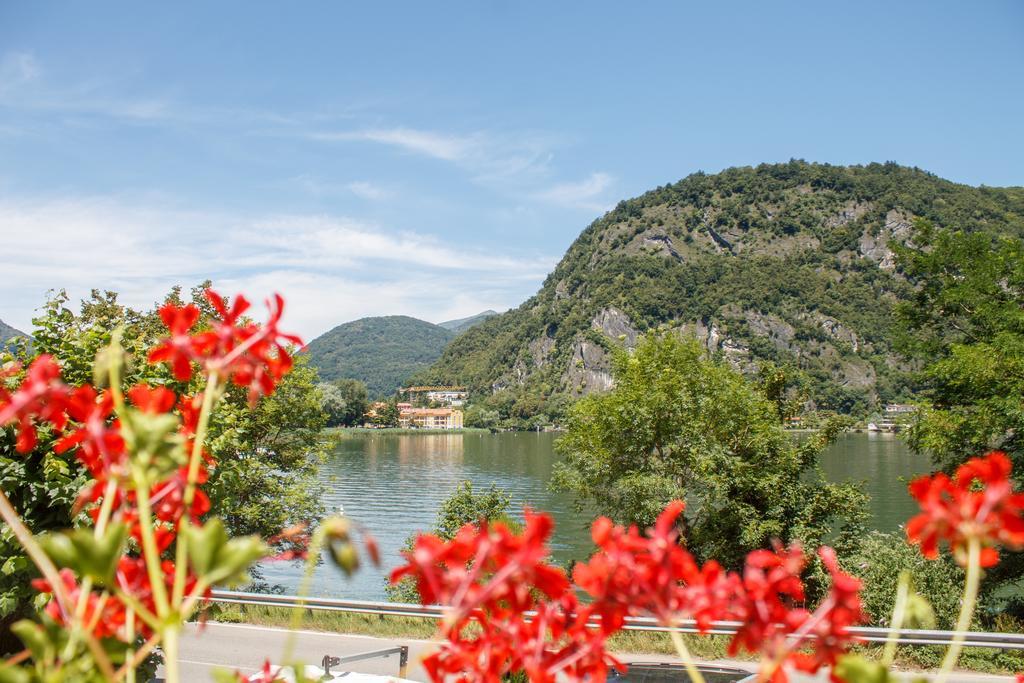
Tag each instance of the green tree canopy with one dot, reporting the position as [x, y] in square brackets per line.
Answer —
[966, 325]
[345, 401]
[679, 425]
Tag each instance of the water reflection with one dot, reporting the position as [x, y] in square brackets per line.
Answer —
[395, 483]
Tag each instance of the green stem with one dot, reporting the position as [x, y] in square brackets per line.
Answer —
[181, 551]
[315, 547]
[896, 624]
[170, 648]
[963, 622]
[130, 654]
[149, 547]
[684, 654]
[106, 509]
[34, 551]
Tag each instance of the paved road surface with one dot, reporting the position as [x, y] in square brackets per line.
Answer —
[243, 647]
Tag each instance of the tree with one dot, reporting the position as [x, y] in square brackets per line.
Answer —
[345, 402]
[679, 425]
[387, 414]
[965, 327]
[965, 324]
[462, 507]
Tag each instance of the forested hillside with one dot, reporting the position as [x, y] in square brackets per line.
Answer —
[463, 324]
[791, 263]
[6, 332]
[382, 352]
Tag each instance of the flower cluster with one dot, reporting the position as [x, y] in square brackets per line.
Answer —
[490, 576]
[527, 615]
[978, 503]
[253, 356]
[144, 454]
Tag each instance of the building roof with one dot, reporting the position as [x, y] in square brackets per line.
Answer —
[417, 390]
[427, 412]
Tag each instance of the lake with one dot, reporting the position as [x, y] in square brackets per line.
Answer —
[394, 484]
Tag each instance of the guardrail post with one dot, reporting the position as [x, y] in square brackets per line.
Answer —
[403, 660]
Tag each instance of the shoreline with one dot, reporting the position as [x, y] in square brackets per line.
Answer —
[404, 430]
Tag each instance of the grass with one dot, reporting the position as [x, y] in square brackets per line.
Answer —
[626, 642]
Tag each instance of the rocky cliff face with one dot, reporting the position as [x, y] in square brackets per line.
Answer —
[789, 263]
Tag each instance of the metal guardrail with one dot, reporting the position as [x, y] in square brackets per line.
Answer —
[1002, 641]
[401, 650]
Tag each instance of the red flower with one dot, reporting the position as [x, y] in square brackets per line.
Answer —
[247, 354]
[485, 567]
[634, 574]
[100, 445]
[978, 502]
[492, 577]
[168, 498]
[177, 350]
[771, 589]
[829, 625]
[153, 400]
[104, 615]
[41, 397]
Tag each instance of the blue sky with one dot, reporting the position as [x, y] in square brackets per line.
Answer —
[436, 159]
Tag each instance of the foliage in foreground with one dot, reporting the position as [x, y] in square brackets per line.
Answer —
[489, 577]
[267, 453]
[115, 592]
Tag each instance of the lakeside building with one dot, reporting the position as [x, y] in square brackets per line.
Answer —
[430, 418]
[450, 396]
[894, 409]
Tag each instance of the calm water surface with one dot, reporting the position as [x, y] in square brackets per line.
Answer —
[394, 485]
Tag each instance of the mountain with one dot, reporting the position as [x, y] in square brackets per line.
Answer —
[463, 324]
[6, 332]
[382, 351]
[791, 263]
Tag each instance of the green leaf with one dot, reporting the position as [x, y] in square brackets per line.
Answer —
[919, 612]
[217, 558]
[12, 674]
[36, 640]
[87, 555]
[857, 669]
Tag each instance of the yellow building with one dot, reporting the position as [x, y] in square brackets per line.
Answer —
[430, 418]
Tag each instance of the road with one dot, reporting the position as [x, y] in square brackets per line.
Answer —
[244, 648]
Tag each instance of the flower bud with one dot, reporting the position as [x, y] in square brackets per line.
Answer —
[345, 556]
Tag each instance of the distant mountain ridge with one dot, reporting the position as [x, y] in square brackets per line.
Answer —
[791, 263]
[463, 324]
[7, 332]
[383, 352]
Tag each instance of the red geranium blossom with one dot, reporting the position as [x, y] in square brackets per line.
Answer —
[42, 396]
[249, 355]
[105, 616]
[177, 350]
[635, 574]
[829, 625]
[100, 445]
[978, 502]
[492, 577]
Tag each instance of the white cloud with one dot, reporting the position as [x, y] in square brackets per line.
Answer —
[489, 157]
[330, 268]
[17, 69]
[585, 194]
[437, 145]
[366, 190]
